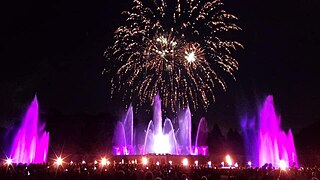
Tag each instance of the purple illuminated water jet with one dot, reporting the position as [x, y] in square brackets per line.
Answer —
[269, 143]
[31, 141]
[161, 138]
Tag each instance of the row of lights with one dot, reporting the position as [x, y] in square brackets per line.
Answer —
[105, 162]
[185, 162]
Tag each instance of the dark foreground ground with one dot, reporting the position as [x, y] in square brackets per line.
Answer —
[133, 171]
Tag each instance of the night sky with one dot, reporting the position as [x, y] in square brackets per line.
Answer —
[55, 49]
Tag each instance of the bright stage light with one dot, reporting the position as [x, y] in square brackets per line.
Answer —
[161, 144]
[196, 163]
[8, 161]
[229, 160]
[185, 162]
[59, 161]
[236, 165]
[103, 161]
[144, 161]
[282, 165]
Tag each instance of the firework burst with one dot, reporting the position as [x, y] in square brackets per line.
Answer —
[173, 49]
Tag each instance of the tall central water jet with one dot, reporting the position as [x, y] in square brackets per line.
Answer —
[158, 139]
[272, 144]
[161, 138]
[31, 142]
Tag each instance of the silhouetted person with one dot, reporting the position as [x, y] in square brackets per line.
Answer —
[148, 175]
[120, 175]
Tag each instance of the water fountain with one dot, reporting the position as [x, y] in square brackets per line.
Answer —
[271, 144]
[161, 139]
[30, 144]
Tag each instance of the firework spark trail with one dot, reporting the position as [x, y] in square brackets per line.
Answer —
[173, 49]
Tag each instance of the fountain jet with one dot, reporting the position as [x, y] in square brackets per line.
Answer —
[273, 145]
[161, 138]
[31, 141]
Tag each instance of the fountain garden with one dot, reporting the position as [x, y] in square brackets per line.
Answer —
[265, 142]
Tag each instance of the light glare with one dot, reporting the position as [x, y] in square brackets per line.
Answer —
[185, 162]
[282, 165]
[161, 144]
[229, 160]
[144, 161]
[103, 161]
[236, 165]
[8, 161]
[59, 161]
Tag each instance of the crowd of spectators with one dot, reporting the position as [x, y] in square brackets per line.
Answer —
[93, 171]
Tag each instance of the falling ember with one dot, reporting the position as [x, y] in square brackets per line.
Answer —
[175, 51]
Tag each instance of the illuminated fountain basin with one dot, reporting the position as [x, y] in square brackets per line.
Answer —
[267, 143]
[31, 141]
[161, 139]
